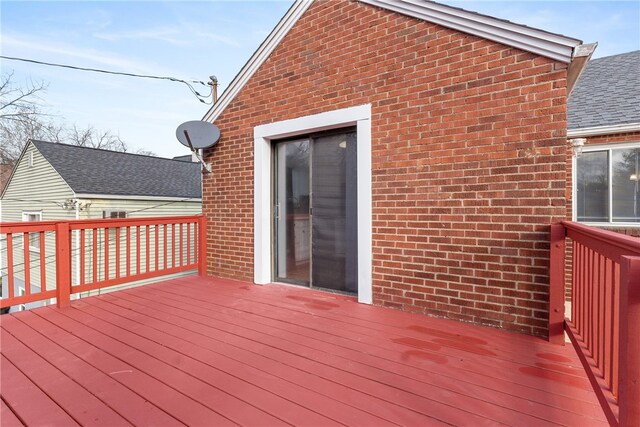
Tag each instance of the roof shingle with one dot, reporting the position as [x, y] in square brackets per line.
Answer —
[607, 93]
[96, 171]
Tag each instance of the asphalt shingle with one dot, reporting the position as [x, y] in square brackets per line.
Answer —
[95, 171]
[607, 93]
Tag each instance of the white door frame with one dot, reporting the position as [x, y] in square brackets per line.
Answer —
[360, 117]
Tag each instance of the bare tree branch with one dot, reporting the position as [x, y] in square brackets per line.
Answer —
[22, 118]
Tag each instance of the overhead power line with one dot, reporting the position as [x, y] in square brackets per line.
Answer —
[188, 83]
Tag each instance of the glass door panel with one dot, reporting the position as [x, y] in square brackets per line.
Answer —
[292, 212]
[334, 242]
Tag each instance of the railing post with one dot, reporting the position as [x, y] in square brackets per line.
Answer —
[63, 264]
[202, 246]
[629, 356]
[556, 283]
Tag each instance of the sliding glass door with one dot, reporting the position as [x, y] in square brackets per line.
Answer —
[293, 212]
[315, 211]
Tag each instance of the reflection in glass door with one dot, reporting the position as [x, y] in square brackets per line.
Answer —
[316, 212]
[292, 212]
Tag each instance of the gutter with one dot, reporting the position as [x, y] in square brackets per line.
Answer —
[603, 130]
[133, 197]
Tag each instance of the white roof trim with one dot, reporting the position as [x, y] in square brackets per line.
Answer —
[540, 42]
[603, 130]
[259, 57]
[543, 43]
[134, 197]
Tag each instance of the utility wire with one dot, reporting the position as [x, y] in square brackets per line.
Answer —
[118, 73]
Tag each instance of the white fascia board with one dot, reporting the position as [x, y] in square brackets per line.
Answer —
[540, 42]
[603, 130]
[529, 39]
[120, 197]
[258, 58]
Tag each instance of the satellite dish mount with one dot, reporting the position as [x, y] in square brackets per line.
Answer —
[198, 135]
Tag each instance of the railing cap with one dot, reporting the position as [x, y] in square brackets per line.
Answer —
[628, 243]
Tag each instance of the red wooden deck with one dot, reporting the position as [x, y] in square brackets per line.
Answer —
[216, 352]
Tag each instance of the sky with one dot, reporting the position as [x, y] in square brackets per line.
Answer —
[193, 40]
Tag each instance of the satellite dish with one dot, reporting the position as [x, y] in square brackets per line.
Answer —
[197, 135]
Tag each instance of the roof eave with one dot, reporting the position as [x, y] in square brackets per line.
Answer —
[543, 43]
[581, 56]
[136, 197]
[603, 130]
[554, 46]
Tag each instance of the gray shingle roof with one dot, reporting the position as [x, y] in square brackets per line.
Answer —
[94, 171]
[607, 93]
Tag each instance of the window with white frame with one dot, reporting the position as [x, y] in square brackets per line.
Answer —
[114, 214]
[607, 185]
[34, 238]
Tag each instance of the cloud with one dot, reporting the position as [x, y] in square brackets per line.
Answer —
[216, 38]
[26, 46]
[167, 35]
[184, 35]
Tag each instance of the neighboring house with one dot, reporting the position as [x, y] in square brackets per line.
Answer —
[63, 182]
[411, 153]
[5, 173]
[604, 122]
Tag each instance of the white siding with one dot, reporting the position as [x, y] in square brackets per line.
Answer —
[134, 209]
[37, 188]
[40, 188]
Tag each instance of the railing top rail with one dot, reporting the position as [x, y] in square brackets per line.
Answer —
[76, 224]
[31, 227]
[628, 244]
[123, 222]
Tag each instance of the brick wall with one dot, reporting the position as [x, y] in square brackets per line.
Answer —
[468, 156]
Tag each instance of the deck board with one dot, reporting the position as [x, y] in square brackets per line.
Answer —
[378, 375]
[213, 351]
[7, 417]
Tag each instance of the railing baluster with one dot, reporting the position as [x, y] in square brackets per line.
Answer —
[96, 279]
[82, 256]
[146, 244]
[156, 231]
[27, 264]
[612, 311]
[616, 332]
[600, 310]
[574, 283]
[128, 229]
[10, 283]
[180, 261]
[164, 246]
[43, 265]
[606, 323]
[138, 249]
[188, 243]
[173, 245]
[105, 236]
[117, 252]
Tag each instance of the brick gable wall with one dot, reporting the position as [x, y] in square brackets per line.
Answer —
[468, 157]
